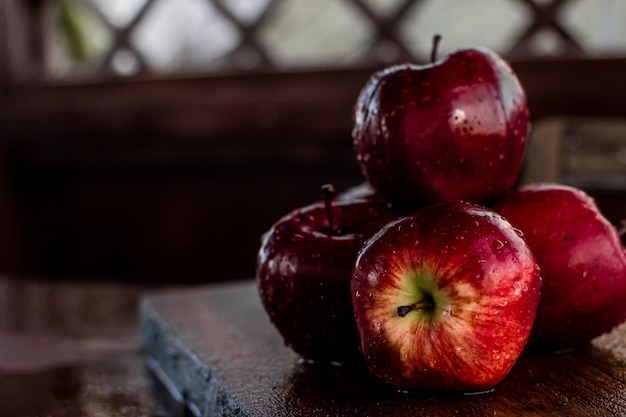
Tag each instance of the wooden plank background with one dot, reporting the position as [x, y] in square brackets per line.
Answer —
[176, 179]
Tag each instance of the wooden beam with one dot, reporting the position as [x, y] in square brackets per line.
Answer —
[270, 104]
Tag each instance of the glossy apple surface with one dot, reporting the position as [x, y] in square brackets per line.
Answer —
[445, 298]
[362, 191]
[582, 262]
[303, 275]
[451, 130]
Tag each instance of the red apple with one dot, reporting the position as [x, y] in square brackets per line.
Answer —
[445, 298]
[303, 275]
[454, 129]
[582, 262]
[362, 191]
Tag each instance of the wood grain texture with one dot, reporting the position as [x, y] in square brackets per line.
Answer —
[217, 348]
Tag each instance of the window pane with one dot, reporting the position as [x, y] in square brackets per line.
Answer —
[183, 35]
[177, 36]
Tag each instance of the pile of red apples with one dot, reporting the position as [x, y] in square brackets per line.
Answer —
[440, 271]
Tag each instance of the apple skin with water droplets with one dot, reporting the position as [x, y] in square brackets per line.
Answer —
[454, 129]
[362, 191]
[582, 262]
[303, 276]
[483, 286]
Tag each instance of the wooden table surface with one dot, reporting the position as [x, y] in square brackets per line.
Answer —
[216, 348]
[73, 349]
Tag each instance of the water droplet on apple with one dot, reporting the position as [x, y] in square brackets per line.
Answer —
[475, 223]
[498, 244]
[297, 237]
[503, 303]
[518, 232]
[357, 294]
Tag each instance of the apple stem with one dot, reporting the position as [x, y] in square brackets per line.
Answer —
[425, 304]
[433, 51]
[328, 191]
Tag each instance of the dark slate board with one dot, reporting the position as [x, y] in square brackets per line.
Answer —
[217, 351]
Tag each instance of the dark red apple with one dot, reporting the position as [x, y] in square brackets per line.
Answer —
[453, 129]
[582, 262]
[303, 275]
[362, 191]
[445, 298]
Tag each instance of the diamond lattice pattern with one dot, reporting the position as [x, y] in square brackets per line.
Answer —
[126, 37]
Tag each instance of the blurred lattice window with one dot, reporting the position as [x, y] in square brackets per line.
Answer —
[128, 37]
